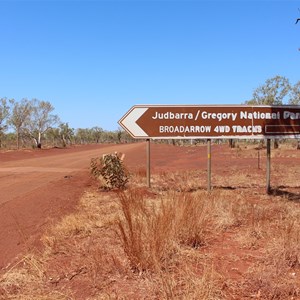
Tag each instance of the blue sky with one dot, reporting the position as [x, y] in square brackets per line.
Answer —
[93, 60]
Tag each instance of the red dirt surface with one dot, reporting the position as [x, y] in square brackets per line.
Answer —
[40, 186]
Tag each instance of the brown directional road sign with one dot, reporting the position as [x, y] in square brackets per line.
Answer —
[196, 121]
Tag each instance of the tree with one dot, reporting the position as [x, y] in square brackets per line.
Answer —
[4, 114]
[276, 91]
[295, 100]
[19, 114]
[83, 135]
[53, 136]
[123, 136]
[65, 133]
[295, 94]
[62, 135]
[40, 120]
[97, 134]
[273, 92]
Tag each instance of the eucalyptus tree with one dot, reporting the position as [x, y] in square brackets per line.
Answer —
[4, 115]
[97, 134]
[123, 136]
[83, 135]
[295, 100]
[66, 133]
[295, 94]
[53, 136]
[61, 135]
[20, 113]
[274, 91]
[40, 120]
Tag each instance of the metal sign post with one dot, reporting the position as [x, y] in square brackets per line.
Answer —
[209, 165]
[148, 163]
[268, 166]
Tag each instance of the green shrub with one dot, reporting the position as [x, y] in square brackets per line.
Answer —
[111, 169]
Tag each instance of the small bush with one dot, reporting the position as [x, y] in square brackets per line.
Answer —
[111, 169]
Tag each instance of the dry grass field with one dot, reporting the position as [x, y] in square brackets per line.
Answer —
[175, 240]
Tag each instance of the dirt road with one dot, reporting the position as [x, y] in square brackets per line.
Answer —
[37, 187]
[20, 177]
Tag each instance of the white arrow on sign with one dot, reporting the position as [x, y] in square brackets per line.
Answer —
[128, 122]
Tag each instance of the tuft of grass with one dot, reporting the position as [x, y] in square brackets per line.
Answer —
[146, 232]
[193, 219]
[183, 283]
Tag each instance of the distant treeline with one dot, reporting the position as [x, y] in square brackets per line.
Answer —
[31, 123]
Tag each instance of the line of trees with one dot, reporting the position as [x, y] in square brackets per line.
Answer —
[33, 123]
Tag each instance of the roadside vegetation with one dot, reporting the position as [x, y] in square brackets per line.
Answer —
[173, 241]
[110, 171]
[33, 124]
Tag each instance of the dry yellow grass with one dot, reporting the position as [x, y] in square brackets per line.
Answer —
[175, 241]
